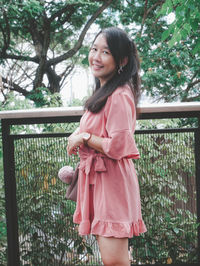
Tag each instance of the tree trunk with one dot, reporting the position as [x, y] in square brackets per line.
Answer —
[54, 80]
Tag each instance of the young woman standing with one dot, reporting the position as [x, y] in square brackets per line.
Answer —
[108, 201]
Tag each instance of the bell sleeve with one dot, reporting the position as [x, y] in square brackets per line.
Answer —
[120, 123]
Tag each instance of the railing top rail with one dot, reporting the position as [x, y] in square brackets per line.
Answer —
[78, 110]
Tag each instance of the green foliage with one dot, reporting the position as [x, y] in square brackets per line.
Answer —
[166, 171]
[77, 102]
[43, 98]
[12, 103]
[187, 20]
[83, 56]
[47, 233]
[46, 35]
[168, 73]
[15, 103]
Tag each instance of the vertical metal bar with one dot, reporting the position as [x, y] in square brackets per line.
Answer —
[197, 163]
[10, 195]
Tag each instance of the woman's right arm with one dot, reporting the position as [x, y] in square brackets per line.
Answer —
[76, 132]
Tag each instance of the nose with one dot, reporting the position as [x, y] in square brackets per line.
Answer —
[97, 56]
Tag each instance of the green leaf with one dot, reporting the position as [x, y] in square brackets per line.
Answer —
[176, 38]
[167, 8]
[165, 35]
[176, 230]
[196, 49]
[194, 24]
[187, 27]
[89, 250]
[180, 11]
[80, 249]
[183, 34]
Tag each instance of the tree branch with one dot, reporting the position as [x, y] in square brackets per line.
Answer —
[190, 85]
[147, 11]
[155, 5]
[34, 59]
[77, 46]
[6, 37]
[14, 87]
[42, 53]
[191, 99]
[54, 80]
[144, 16]
[63, 11]
[65, 73]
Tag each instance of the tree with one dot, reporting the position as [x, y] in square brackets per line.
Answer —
[187, 20]
[168, 73]
[52, 32]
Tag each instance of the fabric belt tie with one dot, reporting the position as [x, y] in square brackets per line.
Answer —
[90, 158]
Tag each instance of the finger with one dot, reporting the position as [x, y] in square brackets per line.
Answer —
[74, 151]
[68, 150]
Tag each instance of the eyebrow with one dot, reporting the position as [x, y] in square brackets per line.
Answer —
[105, 47]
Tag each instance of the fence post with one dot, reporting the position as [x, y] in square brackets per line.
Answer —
[197, 163]
[10, 196]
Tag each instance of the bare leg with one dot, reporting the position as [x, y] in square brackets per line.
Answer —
[114, 251]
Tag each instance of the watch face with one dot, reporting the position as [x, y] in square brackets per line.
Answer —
[86, 136]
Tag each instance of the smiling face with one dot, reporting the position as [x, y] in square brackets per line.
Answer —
[101, 61]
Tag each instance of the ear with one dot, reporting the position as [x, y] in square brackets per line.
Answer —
[124, 61]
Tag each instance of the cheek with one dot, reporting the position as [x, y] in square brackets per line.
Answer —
[112, 64]
[90, 58]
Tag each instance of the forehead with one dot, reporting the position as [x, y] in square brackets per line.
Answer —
[101, 41]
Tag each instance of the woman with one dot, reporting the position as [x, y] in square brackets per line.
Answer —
[108, 201]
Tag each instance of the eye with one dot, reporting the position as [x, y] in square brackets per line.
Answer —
[105, 52]
[93, 49]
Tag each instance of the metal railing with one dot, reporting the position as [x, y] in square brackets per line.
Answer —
[40, 230]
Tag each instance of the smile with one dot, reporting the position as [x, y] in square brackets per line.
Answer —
[95, 66]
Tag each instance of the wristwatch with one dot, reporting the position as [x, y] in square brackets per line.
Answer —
[86, 137]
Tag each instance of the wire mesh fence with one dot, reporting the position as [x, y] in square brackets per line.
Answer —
[166, 173]
[47, 235]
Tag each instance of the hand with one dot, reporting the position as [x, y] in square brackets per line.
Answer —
[74, 141]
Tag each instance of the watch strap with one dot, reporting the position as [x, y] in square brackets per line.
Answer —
[85, 141]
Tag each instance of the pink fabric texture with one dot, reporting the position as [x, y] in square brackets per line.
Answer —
[115, 195]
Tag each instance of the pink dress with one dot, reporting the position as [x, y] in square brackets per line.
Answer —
[108, 201]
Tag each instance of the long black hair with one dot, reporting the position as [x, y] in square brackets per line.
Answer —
[120, 46]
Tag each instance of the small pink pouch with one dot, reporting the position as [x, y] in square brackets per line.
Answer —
[65, 174]
[69, 176]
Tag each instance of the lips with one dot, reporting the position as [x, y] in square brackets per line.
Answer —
[97, 66]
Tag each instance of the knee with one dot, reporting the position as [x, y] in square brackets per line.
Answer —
[115, 261]
[108, 261]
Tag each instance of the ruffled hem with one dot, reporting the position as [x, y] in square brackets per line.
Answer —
[84, 228]
[112, 229]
